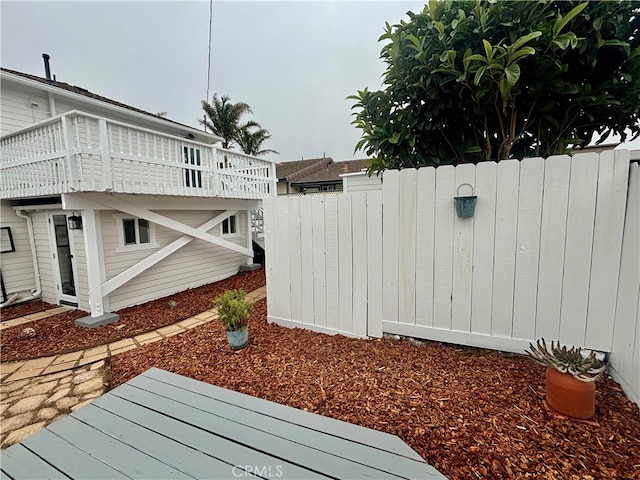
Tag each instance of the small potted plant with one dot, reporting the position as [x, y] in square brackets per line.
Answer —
[233, 312]
[570, 378]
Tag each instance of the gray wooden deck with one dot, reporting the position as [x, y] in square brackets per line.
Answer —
[162, 425]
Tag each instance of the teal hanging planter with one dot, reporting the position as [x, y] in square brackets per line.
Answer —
[465, 206]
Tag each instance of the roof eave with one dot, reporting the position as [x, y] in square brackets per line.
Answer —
[115, 108]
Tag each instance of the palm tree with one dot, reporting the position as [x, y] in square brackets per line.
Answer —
[250, 138]
[223, 118]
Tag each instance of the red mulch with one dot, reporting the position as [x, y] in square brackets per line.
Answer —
[58, 334]
[469, 412]
[15, 311]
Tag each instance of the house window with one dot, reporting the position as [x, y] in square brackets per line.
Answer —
[229, 227]
[134, 233]
[192, 178]
[328, 188]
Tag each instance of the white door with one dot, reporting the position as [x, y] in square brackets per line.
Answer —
[62, 250]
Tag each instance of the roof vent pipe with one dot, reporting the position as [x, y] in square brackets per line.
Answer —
[47, 69]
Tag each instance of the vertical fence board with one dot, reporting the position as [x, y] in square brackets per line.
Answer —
[505, 247]
[555, 200]
[462, 253]
[306, 247]
[425, 219]
[374, 264]
[578, 247]
[295, 256]
[331, 260]
[360, 258]
[345, 264]
[283, 278]
[271, 264]
[319, 266]
[613, 178]
[528, 248]
[443, 227]
[483, 240]
[407, 247]
[390, 212]
[625, 353]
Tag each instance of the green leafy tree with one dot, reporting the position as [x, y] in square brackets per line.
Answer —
[251, 136]
[222, 117]
[468, 81]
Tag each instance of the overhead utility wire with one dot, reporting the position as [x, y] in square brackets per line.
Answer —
[209, 56]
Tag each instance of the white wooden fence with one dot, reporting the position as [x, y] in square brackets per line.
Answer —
[625, 353]
[540, 257]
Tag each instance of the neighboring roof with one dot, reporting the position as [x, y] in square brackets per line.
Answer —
[291, 171]
[331, 172]
[86, 93]
[595, 148]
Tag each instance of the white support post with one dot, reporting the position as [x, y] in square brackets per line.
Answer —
[249, 237]
[105, 153]
[96, 273]
[213, 158]
[72, 167]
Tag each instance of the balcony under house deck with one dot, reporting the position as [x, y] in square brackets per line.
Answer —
[80, 152]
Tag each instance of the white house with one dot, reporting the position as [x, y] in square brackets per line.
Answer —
[105, 206]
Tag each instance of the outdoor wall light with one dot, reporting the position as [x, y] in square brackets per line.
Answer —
[465, 206]
[75, 221]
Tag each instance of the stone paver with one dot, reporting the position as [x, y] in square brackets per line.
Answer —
[35, 393]
[27, 404]
[34, 403]
[18, 435]
[86, 376]
[67, 358]
[88, 386]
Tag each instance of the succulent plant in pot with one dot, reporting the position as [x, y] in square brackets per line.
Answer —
[570, 378]
[233, 312]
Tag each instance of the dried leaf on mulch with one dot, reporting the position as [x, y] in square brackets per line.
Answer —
[471, 413]
[58, 334]
[15, 311]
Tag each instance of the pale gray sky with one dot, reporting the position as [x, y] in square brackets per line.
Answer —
[293, 62]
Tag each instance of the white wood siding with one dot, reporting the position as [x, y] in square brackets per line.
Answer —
[16, 109]
[196, 264]
[361, 182]
[17, 267]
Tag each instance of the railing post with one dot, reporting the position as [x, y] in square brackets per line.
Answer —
[274, 181]
[72, 168]
[216, 180]
[105, 153]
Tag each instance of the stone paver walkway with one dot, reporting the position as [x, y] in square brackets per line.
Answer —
[32, 317]
[34, 393]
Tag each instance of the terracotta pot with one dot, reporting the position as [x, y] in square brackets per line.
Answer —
[570, 396]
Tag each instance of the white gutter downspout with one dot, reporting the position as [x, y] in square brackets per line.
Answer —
[36, 292]
[52, 105]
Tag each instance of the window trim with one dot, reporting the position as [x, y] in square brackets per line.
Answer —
[122, 247]
[235, 234]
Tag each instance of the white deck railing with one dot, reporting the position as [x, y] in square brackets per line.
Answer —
[80, 152]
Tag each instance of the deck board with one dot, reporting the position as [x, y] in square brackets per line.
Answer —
[163, 425]
[18, 463]
[355, 433]
[69, 458]
[332, 444]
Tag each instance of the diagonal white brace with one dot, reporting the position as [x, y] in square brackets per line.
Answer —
[164, 252]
